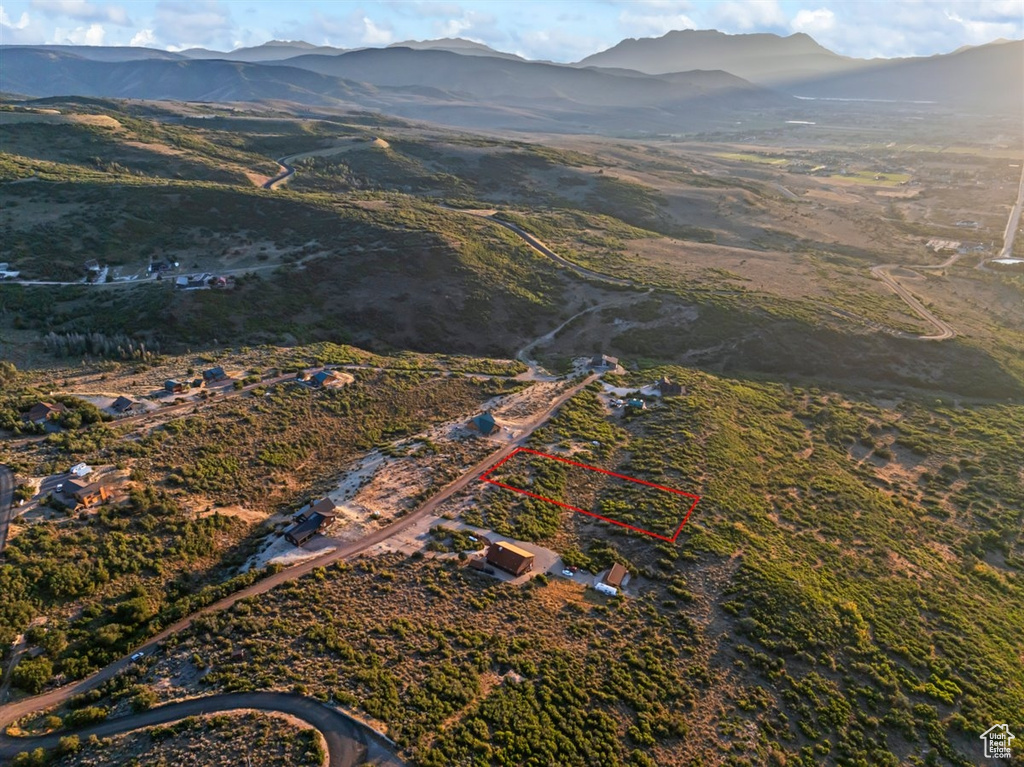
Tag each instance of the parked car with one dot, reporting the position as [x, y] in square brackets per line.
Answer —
[137, 656]
[567, 573]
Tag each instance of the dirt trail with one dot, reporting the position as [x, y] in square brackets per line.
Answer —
[944, 331]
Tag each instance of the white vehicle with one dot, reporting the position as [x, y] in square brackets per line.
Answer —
[567, 573]
[136, 657]
[604, 588]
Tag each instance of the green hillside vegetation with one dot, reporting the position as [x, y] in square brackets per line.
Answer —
[822, 604]
[109, 578]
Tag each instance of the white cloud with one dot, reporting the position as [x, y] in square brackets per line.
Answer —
[981, 30]
[555, 45]
[82, 10]
[5, 20]
[374, 35]
[90, 35]
[635, 24]
[143, 38]
[753, 15]
[814, 22]
[199, 23]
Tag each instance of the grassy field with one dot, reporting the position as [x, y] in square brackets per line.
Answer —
[748, 157]
[871, 178]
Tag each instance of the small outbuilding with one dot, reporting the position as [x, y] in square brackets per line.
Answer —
[510, 558]
[174, 386]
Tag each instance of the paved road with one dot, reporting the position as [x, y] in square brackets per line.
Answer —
[348, 742]
[14, 711]
[1014, 221]
[6, 505]
[287, 171]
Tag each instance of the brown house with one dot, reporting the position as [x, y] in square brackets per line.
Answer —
[45, 411]
[510, 558]
[324, 507]
[670, 388]
[616, 575]
[88, 494]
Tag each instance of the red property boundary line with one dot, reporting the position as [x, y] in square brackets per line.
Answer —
[696, 498]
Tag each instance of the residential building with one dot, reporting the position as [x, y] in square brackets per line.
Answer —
[485, 424]
[87, 494]
[604, 361]
[670, 388]
[510, 558]
[302, 531]
[214, 375]
[122, 406]
[322, 379]
[175, 386]
[324, 507]
[616, 575]
[45, 411]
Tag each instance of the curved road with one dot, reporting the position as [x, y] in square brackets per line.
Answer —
[943, 330]
[287, 171]
[347, 741]
[14, 711]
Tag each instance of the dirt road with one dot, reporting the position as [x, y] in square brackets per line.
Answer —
[944, 331]
[11, 712]
[349, 743]
[544, 250]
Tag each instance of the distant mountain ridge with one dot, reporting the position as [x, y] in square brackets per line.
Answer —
[669, 84]
[990, 74]
[762, 58]
[469, 91]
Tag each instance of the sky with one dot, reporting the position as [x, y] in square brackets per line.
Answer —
[555, 30]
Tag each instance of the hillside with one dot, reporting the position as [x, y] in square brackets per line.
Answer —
[298, 302]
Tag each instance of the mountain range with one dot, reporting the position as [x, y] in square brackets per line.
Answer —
[684, 80]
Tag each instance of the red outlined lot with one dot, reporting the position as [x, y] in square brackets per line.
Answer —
[485, 477]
